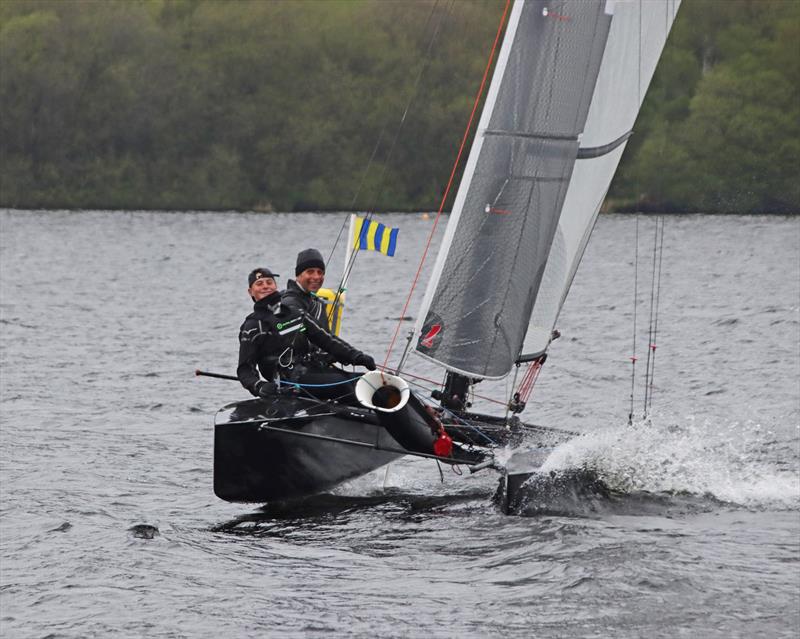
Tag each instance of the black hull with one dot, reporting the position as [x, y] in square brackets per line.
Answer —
[287, 447]
[291, 457]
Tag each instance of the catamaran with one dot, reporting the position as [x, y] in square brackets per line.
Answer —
[568, 82]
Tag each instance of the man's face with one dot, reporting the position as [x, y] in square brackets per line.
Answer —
[262, 287]
[311, 279]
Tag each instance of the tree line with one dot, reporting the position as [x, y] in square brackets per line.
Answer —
[357, 104]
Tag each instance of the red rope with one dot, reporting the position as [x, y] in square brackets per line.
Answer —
[528, 381]
[450, 181]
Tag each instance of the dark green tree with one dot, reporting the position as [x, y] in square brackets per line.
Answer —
[338, 104]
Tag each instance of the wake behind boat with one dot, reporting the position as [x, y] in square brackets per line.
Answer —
[568, 83]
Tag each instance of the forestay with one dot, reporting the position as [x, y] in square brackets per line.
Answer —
[496, 267]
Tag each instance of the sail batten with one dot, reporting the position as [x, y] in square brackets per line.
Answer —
[533, 178]
[534, 135]
[590, 152]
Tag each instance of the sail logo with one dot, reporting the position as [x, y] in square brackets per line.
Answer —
[427, 341]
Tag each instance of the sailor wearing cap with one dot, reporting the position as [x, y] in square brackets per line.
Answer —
[261, 283]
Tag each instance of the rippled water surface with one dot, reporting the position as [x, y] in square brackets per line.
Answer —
[110, 526]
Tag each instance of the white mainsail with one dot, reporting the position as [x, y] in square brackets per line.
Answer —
[569, 82]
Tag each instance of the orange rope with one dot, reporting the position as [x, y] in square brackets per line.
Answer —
[450, 181]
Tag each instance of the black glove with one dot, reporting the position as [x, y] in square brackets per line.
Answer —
[266, 389]
[362, 359]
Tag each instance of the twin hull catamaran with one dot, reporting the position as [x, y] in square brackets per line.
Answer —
[568, 83]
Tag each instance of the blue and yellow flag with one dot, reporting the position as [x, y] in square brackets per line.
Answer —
[369, 235]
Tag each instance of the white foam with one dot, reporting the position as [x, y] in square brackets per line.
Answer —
[734, 462]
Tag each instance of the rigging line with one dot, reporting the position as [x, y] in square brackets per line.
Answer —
[652, 366]
[378, 143]
[465, 422]
[354, 251]
[531, 375]
[439, 385]
[307, 394]
[405, 349]
[635, 304]
[658, 297]
[655, 324]
[460, 420]
[426, 61]
[636, 250]
[511, 397]
[299, 385]
[413, 95]
[449, 183]
[357, 193]
[650, 338]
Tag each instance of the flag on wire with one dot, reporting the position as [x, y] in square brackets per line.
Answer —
[369, 235]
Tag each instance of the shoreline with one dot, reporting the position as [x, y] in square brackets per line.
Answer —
[625, 210]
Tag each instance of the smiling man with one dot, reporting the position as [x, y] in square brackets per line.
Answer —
[301, 292]
[261, 283]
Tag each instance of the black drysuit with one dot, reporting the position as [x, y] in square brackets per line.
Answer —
[281, 342]
[297, 298]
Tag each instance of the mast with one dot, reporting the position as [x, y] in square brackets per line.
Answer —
[349, 254]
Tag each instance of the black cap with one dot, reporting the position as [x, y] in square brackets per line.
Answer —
[257, 274]
[310, 258]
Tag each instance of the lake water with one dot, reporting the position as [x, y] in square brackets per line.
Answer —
[109, 525]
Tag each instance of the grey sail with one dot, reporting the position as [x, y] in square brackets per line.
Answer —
[639, 31]
[489, 270]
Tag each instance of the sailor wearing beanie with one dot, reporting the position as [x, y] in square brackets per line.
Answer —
[301, 292]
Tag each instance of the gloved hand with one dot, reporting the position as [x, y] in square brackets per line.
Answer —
[362, 359]
[266, 389]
